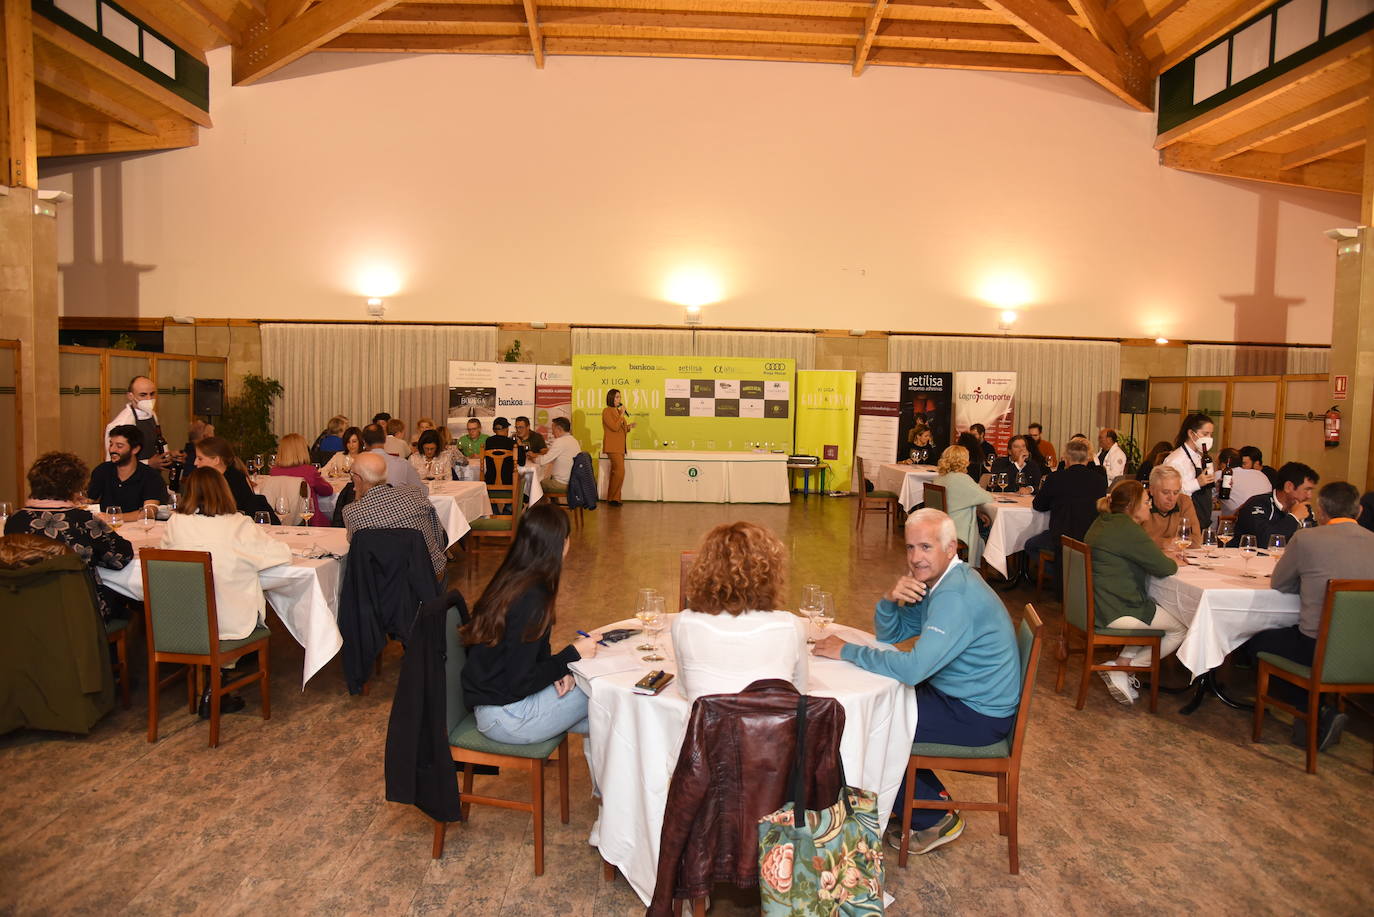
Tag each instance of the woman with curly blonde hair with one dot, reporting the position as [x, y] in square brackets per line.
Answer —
[964, 500]
[731, 635]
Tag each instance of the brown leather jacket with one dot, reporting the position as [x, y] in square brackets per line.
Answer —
[733, 770]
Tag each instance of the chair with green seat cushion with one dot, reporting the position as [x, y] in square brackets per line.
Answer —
[1000, 759]
[1079, 621]
[469, 748]
[183, 628]
[501, 528]
[1342, 660]
[876, 501]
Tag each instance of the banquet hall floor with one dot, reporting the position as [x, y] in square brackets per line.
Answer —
[1122, 811]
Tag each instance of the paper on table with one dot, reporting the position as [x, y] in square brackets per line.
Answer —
[607, 664]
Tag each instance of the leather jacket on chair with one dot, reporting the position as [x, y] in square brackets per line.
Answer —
[733, 769]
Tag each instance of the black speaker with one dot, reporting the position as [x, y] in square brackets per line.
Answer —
[207, 397]
[1135, 396]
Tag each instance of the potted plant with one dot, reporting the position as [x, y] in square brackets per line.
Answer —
[247, 418]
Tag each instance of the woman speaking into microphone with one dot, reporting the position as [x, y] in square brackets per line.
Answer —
[613, 428]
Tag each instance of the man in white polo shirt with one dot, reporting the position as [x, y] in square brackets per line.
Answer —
[561, 452]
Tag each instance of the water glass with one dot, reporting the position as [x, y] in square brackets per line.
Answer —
[644, 602]
[810, 604]
[1276, 545]
[1209, 542]
[262, 517]
[281, 509]
[149, 517]
[825, 615]
[1248, 549]
[653, 626]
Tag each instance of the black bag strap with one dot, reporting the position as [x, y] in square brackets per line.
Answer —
[798, 778]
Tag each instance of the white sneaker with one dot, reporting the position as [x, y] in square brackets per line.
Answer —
[1119, 686]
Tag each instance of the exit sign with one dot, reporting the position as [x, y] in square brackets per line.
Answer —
[1340, 387]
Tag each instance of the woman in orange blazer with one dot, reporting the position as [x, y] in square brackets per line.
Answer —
[613, 430]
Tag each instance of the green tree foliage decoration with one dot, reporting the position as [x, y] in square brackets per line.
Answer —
[247, 420]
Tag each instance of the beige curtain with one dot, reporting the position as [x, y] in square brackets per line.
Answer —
[799, 346]
[659, 342]
[1068, 386]
[1233, 360]
[358, 370]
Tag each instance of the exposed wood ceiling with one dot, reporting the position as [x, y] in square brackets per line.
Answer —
[1306, 128]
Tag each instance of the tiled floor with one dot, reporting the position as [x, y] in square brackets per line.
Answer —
[1122, 812]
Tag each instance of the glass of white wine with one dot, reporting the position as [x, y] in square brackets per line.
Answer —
[643, 603]
[826, 615]
[306, 514]
[653, 626]
[114, 517]
[1248, 549]
[1183, 538]
[810, 604]
[1226, 530]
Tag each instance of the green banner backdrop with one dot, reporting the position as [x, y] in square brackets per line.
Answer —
[711, 404]
[825, 421]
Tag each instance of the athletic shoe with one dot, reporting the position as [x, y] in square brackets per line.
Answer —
[1119, 686]
[925, 840]
[1330, 725]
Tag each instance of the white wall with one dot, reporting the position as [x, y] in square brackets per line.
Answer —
[501, 192]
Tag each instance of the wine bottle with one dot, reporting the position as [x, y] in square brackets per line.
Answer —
[1224, 488]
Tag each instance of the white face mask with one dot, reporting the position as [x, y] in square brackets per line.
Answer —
[1204, 444]
[146, 405]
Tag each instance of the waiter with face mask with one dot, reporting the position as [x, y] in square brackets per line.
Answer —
[1192, 459]
[140, 412]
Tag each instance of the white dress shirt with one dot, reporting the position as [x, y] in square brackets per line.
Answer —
[1186, 460]
[1114, 463]
[562, 451]
[239, 549]
[725, 653]
[1245, 483]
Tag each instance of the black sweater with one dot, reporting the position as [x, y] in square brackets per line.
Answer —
[514, 669]
[1070, 497]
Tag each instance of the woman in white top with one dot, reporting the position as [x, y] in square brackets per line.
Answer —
[340, 462]
[729, 636]
[207, 519]
[1194, 464]
[429, 460]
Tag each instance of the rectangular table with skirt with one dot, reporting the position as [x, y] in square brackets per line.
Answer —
[634, 741]
[668, 476]
[303, 593]
[908, 482]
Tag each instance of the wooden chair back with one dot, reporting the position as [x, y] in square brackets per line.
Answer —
[685, 561]
[935, 497]
[1030, 639]
[498, 466]
[1078, 584]
[1344, 653]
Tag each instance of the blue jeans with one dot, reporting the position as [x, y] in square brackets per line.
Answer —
[948, 721]
[536, 718]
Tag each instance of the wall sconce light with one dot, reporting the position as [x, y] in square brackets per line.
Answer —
[376, 307]
[1161, 340]
[1008, 318]
[692, 315]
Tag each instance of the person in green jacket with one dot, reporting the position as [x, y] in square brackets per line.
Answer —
[1123, 557]
[964, 500]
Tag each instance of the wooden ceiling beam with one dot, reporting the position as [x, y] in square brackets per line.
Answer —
[223, 27]
[1324, 149]
[894, 32]
[1305, 117]
[72, 88]
[18, 103]
[1125, 77]
[60, 123]
[172, 134]
[57, 37]
[1233, 15]
[156, 15]
[280, 12]
[1348, 53]
[536, 40]
[725, 50]
[1327, 175]
[971, 60]
[268, 50]
[1147, 25]
[429, 44]
[871, 23]
[1105, 27]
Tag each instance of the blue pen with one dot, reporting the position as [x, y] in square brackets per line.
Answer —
[583, 633]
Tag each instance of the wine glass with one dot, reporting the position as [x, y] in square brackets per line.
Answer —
[653, 626]
[306, 513]
[1183, 538]
[1276, 545]
[113, 516]
[1022, 480]
[281, 509]
[172, 500]
[643, 602]
[1002, 481]
[1226, 530]
[271, 461]
[262, 517]
[810, 604]
[825, 614]
[5, 511]
[149, 517]
[1209, 542]
[1248, 548]
[348, 464]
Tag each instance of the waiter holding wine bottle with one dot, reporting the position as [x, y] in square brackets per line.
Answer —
[614, 426]
[1194, 463]
[138, 411]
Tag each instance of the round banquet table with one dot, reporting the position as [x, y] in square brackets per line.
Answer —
[634, 741]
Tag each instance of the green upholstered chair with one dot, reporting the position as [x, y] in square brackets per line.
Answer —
[470, 748]
[1342, 663]
[183, 628]
[501, 528]
[875, 501]
[1079, 621]
[1000, 759]
[933, 496]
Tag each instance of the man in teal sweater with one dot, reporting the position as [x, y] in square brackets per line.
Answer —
[965, 667]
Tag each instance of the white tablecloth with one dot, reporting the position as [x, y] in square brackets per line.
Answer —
[1014, 522]
[451, 501]
[1221, 607]
[700, 477]
[908, 482]
[303, 593]
[634, 742]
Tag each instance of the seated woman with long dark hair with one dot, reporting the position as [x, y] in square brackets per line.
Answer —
[521, 692]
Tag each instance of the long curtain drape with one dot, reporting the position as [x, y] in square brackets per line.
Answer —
[688, 342]
[1068, 386]
[358, 370]
[1237, 360]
